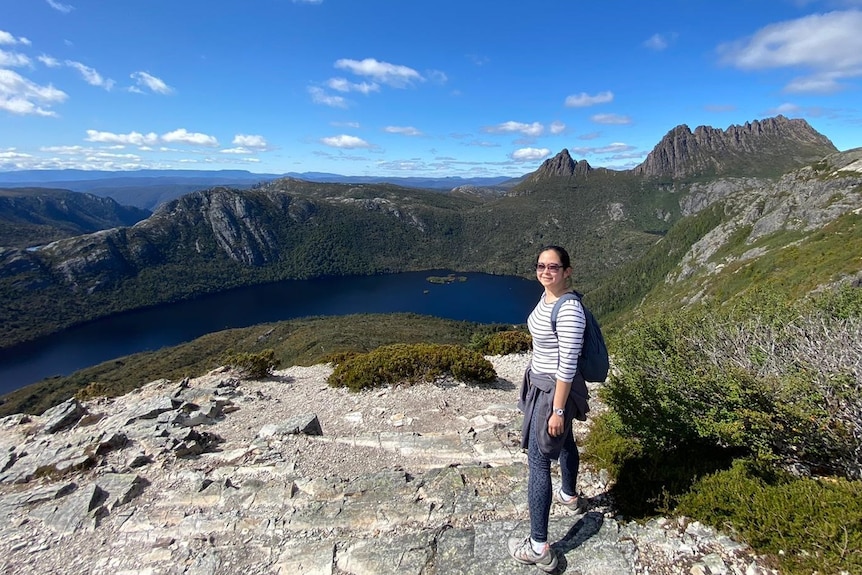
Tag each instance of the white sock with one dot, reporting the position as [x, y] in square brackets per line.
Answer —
[538, 548]
[565, 496]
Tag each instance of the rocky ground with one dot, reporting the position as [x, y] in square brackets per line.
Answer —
[288, 475]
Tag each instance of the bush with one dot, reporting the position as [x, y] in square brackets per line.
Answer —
[253, 365]
[410, 363]
[780, 379]
[809, 525]
[92, 390]
[502, 342]
[606, 447]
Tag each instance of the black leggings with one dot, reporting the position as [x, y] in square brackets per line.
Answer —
[539, 494]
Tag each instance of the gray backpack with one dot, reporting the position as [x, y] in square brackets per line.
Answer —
[593, 362]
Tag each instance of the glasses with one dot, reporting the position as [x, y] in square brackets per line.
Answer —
[553, 268]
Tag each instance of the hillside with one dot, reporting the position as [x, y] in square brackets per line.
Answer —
[219, 238]
[36, 216]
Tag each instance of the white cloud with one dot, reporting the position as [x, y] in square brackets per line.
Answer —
[656, 42]
[390, 74]
[63, 149]
[557, 128]
[91, 76]
[49, 61]
[249, 141]
[180, 136]
[12, 159]
[403, 130]
[132, 138]
[437, 76]
[610, 119]
[7, 38]
[345, 141]
[828, 45]
[319, 96]
[534, 129]
[788, 109]
[344, 85]
[583, 99]
[530, 154]
[183, 136]
[60, 7]
[10, 59]
[150, 82]
[20, 96]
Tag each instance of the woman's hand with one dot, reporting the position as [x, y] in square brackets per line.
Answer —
[555, 425]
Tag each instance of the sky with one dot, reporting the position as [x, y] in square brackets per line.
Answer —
[405, 88]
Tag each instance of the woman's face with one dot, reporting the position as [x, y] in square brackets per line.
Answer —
[550, 272]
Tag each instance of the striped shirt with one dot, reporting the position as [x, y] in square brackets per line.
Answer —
[557, 354]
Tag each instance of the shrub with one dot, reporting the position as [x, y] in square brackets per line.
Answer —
[492, 335]
[92, 390]
[809, 525]
[505, 342]
[778, 378]
[253, 365]
[606, 447]
[409, 363]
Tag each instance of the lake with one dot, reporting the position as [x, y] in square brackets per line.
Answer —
[482, 298]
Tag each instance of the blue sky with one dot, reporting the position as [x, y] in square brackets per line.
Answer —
[408, 88]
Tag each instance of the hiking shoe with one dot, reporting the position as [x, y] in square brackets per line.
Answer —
[576, 504]
[522, 552]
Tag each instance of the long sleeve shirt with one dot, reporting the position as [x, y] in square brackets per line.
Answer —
[557, 355]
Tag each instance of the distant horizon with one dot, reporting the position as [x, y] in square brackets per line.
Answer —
[242, 172]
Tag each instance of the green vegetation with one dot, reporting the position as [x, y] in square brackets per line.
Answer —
[501, 342]
[253, 365]
[811, 525]
[303, 341]
[710, 404]
[451, 278]
[400, 364]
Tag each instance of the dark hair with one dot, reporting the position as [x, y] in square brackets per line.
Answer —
[561, 253]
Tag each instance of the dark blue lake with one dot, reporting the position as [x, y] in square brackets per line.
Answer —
[482, 298]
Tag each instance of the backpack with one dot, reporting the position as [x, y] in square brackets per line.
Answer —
[593, 362]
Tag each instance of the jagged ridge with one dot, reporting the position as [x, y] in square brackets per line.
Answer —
[766, 147]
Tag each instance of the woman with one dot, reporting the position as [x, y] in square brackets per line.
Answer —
[552, 395]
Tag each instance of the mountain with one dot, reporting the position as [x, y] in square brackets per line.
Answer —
[631, 232]
[35, 216]
[766, 147]
[561, 165]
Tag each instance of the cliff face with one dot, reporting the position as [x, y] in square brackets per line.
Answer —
[561, 165]
[775, 144]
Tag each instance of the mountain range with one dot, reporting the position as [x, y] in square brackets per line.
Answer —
[147, 189]
[702, 203]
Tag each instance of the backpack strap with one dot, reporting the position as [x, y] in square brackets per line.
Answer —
[563, 298]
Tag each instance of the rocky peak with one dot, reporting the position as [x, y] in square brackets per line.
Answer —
[561, 165]
[763, 147]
